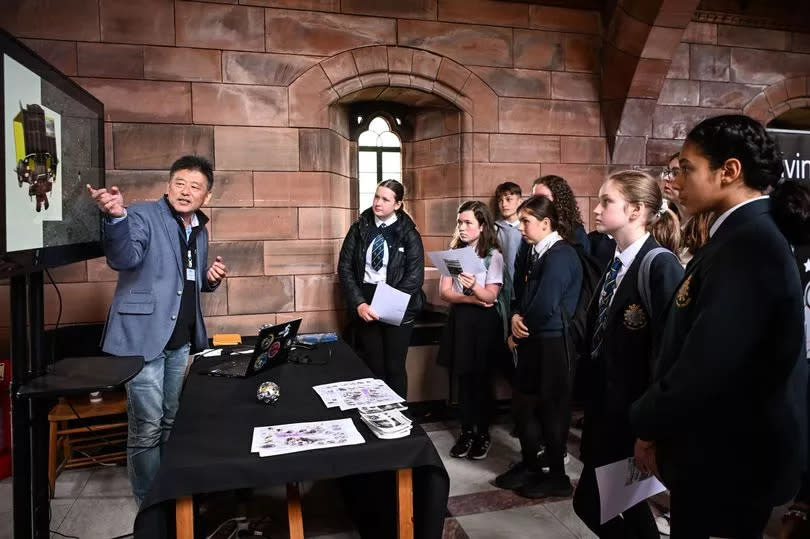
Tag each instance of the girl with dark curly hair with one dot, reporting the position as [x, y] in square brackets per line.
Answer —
[724, 421]
[557, 190]
[569, 224]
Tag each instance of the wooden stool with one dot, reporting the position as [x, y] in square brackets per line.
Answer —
[75, 435]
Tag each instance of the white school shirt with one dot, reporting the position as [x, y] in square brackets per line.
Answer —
[378, 276]
[627, 257]
[725, 214]
[545, 244]
[494, 275]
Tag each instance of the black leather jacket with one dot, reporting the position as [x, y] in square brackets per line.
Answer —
[406, 262]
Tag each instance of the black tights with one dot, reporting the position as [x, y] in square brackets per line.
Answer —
[475, 401]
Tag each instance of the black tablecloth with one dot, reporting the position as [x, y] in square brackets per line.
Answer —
[209, 448]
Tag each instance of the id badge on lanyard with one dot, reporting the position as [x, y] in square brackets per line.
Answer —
[191, 273]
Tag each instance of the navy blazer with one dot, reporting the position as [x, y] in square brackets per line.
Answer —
[144, 248]
[522, 260]
[728, 406]
[623, 370]
[552, 287]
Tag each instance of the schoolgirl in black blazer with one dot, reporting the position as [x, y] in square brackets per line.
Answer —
[723, 423]
[622, 331]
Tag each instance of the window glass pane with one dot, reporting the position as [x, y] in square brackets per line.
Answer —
[379, 134]
[365, 201]
[368, 184]
[378, 125]
[367, 138]
[389, 140]
[391, 163]
[367, 162]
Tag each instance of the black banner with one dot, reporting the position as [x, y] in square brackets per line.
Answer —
[795, 147]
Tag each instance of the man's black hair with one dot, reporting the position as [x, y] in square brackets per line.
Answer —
[195, 162]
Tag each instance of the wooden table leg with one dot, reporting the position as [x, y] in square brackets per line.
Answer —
[294, 514]
[405, 503]
[184, 517]
[51, 459]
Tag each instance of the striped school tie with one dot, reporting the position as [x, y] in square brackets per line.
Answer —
[604, 304]
[378, 250]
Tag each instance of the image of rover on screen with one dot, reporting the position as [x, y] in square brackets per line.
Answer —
[35, 152]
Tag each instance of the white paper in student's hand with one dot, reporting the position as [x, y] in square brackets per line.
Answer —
[451, 263]
[621, 486]
[390, 304]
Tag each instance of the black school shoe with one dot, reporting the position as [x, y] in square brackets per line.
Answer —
[544, 485]
[480, 447]
[515, 477]
[463, 445]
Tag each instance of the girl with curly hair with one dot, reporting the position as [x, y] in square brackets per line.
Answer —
[557, 190]
[569, 224]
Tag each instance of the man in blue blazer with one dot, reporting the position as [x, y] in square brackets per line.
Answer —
[160, 251]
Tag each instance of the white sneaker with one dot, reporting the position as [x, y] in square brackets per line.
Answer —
[541, 457]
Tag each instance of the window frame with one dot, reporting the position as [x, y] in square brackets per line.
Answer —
[390, 112]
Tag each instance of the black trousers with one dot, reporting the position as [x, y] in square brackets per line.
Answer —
[384, 347]
[635, 523]
[541, 401]
[697, 516]
[475, 401]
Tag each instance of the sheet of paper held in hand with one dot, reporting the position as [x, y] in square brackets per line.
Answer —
[451, 263]
[295, 437]
[622, 485]
[390, 304]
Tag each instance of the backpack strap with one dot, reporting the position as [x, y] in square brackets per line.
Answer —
[644, 277]
[502, 299]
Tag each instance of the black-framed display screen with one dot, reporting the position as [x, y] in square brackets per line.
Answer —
[52, 135]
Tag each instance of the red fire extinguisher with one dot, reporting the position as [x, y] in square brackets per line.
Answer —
[5, 418]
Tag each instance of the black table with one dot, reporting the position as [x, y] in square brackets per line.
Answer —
[209, 448]
[82, 375]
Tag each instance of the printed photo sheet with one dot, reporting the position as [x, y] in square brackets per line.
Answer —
[294, 437]
[356, 393]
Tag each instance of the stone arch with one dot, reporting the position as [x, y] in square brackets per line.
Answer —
[641, 38]
[324, 84]
[778, 98]
[316, 100]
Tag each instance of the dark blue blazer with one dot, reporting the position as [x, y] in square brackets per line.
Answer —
[728, 405]
[522, 260]
[549, 289]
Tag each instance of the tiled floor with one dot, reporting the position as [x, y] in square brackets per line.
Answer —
[97, 503]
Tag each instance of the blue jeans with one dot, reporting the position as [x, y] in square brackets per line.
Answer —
[153, 397]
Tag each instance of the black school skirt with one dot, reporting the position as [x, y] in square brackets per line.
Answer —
[470, 339]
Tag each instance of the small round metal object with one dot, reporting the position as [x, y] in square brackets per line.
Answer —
[268, 392]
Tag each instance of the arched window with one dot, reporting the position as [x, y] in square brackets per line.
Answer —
[379, 158]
